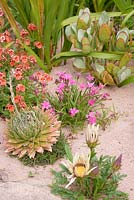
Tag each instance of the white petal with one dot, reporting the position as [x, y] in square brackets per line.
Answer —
[71, 181]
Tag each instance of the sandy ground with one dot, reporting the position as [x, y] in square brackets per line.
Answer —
[118, 138]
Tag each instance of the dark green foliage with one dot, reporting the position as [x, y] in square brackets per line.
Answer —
[47, 157]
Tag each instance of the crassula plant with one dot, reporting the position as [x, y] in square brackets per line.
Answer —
[89, 177]
[75, 101]
[102, 46]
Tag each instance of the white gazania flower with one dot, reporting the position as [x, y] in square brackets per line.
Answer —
[92, 135]
[80, 167]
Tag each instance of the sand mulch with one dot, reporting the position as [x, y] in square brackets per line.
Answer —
[118, 138]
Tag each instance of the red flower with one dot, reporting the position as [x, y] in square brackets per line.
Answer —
[20, 88]
[32, 59]
[16, 58]
[27, 41]
[38, 44]
[18, 74]
[22, 104]
[18, 99]
[10, 107]
[24, 33]
[32, 27]
[24, 59]
[2, 82]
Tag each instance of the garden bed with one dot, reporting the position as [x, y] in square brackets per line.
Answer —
[21, 182]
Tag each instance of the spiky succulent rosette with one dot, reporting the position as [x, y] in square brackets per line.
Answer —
[32, 131]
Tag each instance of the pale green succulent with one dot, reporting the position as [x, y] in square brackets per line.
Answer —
[91, 36]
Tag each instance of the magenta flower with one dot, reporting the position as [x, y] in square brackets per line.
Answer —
[72, 82]
[82, 86]
[60, 88]
[45, 105]
[90, 78]
[91, 118]
[90, 85]
[105, 95]
[73, 111]
[94, 90]
[64, 76]
[91, 102]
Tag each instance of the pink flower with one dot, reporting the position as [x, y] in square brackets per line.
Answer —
[91, 118]
[73, 111]
[90, 78]
[60, 88]
[90, 85]
[101, 86]
[63, 76]
[94, 90]
[82, 86]
[46, 105]
[72, 82]
[91, 102]
[105, 95]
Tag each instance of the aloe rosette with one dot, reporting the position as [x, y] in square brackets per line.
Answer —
[32, 131]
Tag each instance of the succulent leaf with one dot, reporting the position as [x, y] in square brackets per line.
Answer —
[123, 74]
[104, 33]
[107, 78]
[125, 59]
[104, 18]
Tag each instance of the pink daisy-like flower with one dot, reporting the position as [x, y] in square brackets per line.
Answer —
[73, 111]
[45, 105]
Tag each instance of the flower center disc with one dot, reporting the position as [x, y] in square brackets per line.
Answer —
[80, 170]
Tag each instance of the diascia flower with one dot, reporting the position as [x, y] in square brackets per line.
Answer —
[20, 88]
[32, 27]
[10, 107]
[38, 44]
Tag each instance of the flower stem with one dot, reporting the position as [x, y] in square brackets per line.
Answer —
[12, 94]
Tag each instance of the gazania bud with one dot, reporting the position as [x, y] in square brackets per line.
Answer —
[117, 163]
[92, 135]
[95, 172]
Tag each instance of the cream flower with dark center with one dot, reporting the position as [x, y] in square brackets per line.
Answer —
[79, 168]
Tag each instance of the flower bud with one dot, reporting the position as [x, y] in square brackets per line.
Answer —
[92, 135]
[117, 163]
[95, 172]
